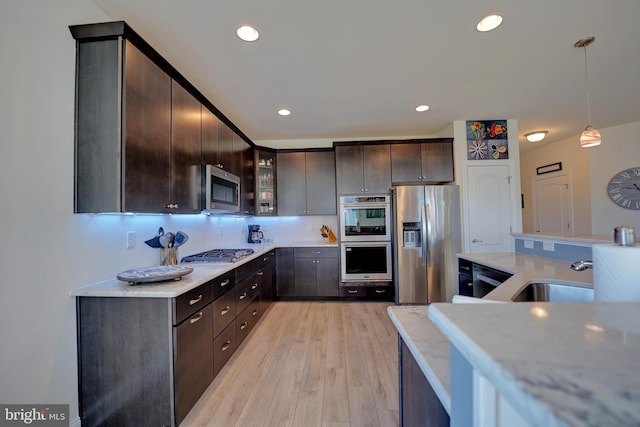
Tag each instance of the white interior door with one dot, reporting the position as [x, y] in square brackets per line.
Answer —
[552, 204]
[489, 198]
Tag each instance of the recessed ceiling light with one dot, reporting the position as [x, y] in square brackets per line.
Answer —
[536, 136]
[421, 108]
[284, 112]
[489, 23]
[247, 33]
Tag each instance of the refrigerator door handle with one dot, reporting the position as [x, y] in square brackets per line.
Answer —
[426, 235]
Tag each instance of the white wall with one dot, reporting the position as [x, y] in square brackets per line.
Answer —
[575, 161]
[48, 250]
[591, 169]
[620, 149]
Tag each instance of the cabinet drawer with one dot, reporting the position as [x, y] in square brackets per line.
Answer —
[193, 355]
[247, 291]
[246, 270]
[353, 291]
[191, 301]
[222, 284]
[464, 267]
[247, 320]
[266, 258]
[315, 252]
[385, 293]
[224, 310]
[224, 345]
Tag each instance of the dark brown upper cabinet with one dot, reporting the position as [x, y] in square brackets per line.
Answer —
[306, 183]
[185, 151]
[363, 168]
[422, 161]
[142, 130]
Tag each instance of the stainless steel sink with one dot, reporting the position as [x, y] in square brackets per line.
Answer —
[554, 292]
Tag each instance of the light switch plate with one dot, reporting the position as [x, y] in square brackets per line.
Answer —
[131, 239]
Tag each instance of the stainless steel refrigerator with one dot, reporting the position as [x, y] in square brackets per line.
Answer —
[427, 238]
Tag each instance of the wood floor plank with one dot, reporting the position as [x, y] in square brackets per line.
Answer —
[335, 401]
[325, 364]
[288, 389]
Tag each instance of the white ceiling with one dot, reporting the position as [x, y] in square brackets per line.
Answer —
[355, 69]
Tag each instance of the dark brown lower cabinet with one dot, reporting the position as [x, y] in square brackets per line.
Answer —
[419, 405]
[194, 352]
[380, 291]
[224, 345]
[247, 319]
[135, 368]
[147, 361]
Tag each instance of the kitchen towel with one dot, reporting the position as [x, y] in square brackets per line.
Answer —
[616, 273]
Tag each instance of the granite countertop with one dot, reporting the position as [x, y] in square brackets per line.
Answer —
[430, 347]
[202, 273]
[526, 269]
[557, 364]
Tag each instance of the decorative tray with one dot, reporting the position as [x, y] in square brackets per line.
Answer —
[154, 274]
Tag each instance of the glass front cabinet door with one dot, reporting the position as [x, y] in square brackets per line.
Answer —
[265, 182]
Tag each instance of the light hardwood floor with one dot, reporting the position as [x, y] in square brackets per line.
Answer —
[309, 364]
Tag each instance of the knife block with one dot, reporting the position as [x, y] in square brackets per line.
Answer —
[330, 237]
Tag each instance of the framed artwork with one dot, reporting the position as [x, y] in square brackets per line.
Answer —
[487, 140]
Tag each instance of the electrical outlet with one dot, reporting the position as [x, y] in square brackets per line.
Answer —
[528, 244]
[548, 246]
[131, 239]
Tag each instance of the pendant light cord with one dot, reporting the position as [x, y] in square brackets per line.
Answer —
[586, 75]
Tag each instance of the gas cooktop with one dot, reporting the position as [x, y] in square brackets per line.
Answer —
[219, 255]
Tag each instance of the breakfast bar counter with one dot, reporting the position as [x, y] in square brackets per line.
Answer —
[554, 364]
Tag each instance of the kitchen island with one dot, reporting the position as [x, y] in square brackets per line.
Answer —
[545, 364]
[430, 347]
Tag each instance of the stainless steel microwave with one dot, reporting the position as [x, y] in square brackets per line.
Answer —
[221, 191]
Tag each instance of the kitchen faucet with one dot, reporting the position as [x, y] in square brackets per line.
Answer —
[582, 265]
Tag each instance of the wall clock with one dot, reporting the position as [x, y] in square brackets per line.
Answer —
[624, 189]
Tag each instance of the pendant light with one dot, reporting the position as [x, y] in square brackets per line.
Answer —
[590, 136]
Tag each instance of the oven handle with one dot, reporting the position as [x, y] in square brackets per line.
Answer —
[365, 205]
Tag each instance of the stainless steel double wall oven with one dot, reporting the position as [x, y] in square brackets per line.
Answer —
[365, 238]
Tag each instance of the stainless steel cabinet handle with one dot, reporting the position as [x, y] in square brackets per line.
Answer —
[243, 325]
[260, 273]
[195, 318]
[225, 310]
[315, 252]
[195, 300]
[226, 345]
[225, 283]
[254, 286]
[380, 291]
[352, 291]
[476, 241]
[254, 312]
[243, 296]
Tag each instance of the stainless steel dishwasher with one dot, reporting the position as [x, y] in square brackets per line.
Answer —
[486, 279]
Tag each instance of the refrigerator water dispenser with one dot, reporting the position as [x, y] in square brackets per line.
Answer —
[411, 235]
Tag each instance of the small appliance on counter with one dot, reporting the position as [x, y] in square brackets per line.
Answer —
[254, 235]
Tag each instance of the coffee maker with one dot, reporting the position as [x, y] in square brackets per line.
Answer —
[255, 235]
